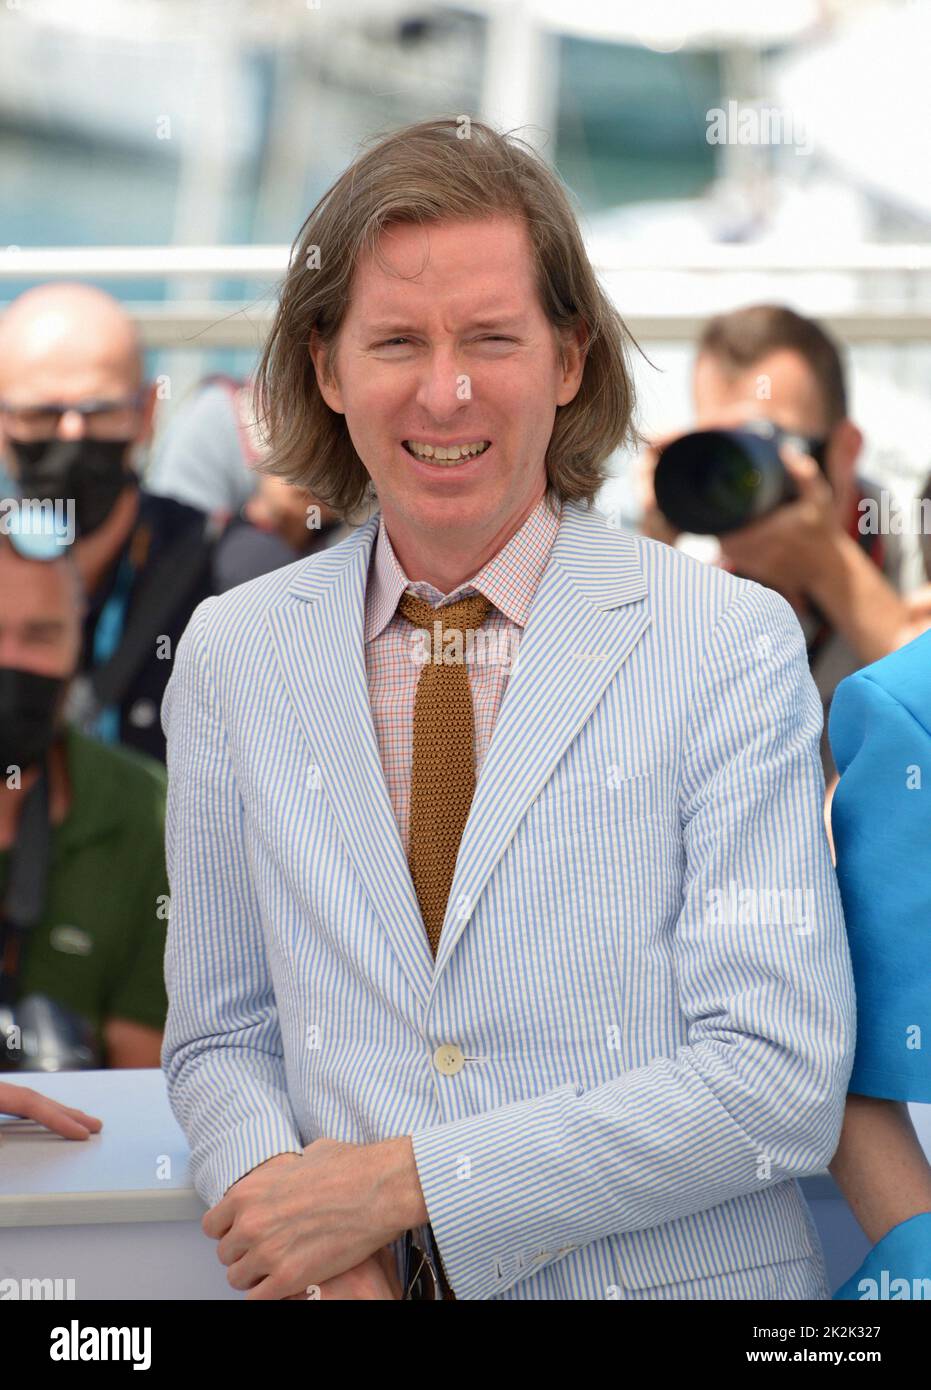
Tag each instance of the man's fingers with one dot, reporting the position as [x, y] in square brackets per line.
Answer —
[218, 1220]
[232, 1247]
[803, 469]
[800, 465]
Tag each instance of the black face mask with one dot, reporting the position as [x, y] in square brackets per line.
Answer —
[92, 471]
[29, 705]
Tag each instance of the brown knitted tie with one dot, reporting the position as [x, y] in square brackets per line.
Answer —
[442, 762]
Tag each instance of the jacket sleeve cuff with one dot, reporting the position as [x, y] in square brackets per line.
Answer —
[490, 1184]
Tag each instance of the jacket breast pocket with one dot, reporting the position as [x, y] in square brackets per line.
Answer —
[632, 795]
[612, 839]
[608, 798]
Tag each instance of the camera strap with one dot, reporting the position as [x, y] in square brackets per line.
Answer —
[27, 882]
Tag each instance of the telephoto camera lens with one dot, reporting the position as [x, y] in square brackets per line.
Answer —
[714, 481]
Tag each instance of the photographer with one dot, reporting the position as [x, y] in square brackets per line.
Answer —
[769, 363]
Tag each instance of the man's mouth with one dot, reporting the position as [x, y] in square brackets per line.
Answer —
[446, 455]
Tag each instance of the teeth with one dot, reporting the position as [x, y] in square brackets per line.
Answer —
[450, 456]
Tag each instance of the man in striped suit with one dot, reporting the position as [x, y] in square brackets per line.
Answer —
[504, 927]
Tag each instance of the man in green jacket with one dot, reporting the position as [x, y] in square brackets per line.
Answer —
[98, 947]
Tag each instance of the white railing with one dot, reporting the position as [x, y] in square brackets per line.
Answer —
[205, 323]
[246, 262]
[217, 325]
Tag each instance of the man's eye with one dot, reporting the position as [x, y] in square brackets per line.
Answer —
[489, 338]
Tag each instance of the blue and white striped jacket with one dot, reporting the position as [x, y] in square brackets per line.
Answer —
[643, 965]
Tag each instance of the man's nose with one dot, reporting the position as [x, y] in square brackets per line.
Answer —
[445, 384]
[71, 425]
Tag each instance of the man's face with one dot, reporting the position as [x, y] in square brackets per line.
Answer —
[63, 372]
[39, 617]
[779, 387]
[453, 348]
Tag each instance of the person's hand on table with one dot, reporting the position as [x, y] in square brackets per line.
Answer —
[61, 1119]
[321, 1220]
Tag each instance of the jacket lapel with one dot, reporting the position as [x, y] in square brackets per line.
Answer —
[318, 633]
[587, 615]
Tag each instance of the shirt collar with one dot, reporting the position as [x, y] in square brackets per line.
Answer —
[508, 580]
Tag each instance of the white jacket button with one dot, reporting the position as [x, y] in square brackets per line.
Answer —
[448, 1059]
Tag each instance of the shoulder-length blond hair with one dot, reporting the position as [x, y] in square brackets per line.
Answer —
[450, 168]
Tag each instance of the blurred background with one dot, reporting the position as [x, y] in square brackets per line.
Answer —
[170, 151]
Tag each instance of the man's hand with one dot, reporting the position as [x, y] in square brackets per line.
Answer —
[374, 1280]
[305, 1220]
[789, 549]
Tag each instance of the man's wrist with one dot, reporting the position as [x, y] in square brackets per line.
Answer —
[401, 1200]
[826, 576]
[816, 556]
[274, 1159]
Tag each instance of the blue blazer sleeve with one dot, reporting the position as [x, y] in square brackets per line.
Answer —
[880, 730]
[899, 1266]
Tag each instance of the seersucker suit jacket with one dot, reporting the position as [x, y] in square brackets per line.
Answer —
[640, 1023]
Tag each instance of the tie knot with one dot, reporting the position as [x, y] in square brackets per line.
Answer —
[465, 615]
